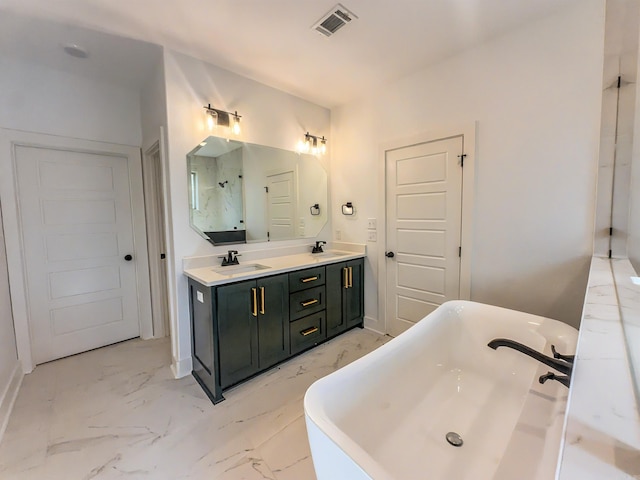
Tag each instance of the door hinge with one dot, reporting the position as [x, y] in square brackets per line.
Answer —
[611, 231]
[162, 256]
[266, 189]
[609, 253]
[619, 81]
[461, 157]
[460, 251]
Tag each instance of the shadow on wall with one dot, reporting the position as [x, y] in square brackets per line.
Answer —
[562, 287]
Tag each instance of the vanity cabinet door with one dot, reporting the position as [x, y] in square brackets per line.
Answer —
[335, 285]
[237, 322]
[353, 297]
[345, 295]
[273, 320]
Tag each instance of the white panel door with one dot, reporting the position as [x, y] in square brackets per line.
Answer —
[424, 205]
[75, 209]
[281, 205]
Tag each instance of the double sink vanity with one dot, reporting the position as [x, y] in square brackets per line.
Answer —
[252, 313]
[250, 316]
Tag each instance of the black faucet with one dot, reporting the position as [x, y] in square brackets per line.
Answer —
[318, 247]
[230, 259]
[561, 363]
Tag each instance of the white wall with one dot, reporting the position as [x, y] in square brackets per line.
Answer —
[269, 117]
[39, 99]
[536, 96]
[153, 106]
[9, 365]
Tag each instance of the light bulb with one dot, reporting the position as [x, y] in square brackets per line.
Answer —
[300, 146]
[236, 125]
[323, 146]
[212, 118]
[314, 149]
[307, 144]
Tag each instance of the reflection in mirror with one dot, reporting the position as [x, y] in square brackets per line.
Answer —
[241, 192]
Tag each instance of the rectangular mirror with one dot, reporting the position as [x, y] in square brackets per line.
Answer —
[242, 193]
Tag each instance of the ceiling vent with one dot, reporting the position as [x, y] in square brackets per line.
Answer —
[333, 21]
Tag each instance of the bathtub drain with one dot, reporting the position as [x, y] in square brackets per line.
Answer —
[454, 439]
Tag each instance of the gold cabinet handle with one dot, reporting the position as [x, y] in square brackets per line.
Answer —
[309, 331]
[350, 277]
[346, 277]
[262, 300]
[309, 302]
[309, 279]
[255, 302]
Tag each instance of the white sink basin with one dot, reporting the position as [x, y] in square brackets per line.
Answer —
[234, 269]
[325, 255]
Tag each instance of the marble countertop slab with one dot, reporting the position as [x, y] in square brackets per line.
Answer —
[602, 427]
[208, 272]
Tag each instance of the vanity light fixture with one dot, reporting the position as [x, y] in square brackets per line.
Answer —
[313, 144]
[220, 118]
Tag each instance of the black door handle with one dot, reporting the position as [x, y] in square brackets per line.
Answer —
[128, 257]
[390, 254]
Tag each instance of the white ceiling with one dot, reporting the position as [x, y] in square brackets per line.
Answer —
[272, 41]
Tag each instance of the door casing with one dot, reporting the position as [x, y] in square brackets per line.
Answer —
[468, 133]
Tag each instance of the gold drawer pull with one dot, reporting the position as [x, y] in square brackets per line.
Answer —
[310, 279]
[262, 300]
[309, 331]
[350, 277]
[345, 270]
[309, 302]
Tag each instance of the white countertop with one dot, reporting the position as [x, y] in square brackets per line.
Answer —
[602, 427]
[208, 272]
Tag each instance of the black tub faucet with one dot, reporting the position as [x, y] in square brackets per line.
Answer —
[561, 363]
[230, 259]
[318, 247]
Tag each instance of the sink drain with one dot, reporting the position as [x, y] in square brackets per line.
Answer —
[454, 439]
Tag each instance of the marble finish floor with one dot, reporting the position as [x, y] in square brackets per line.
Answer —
[117, 412]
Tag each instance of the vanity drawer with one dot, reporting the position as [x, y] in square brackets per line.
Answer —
[307, 332]
[306, 302]
[308, 278]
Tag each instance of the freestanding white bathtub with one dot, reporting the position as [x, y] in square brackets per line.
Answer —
[386, 415]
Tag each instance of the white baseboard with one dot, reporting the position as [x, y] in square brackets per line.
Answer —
[181, 368]
[9, 395]
[375, 325]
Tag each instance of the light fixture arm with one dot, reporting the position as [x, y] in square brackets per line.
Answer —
[210, 110]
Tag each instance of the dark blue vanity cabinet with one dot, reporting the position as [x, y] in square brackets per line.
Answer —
[345, 296]
[240, 329]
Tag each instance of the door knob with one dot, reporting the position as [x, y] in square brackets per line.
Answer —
[390, 254]
[128, 257]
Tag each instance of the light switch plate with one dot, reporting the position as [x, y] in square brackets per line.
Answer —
[372, 236]
[372, 224]
[200, 297]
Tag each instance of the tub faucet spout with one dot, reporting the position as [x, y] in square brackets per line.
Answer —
[557, 364]
[563, 379]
